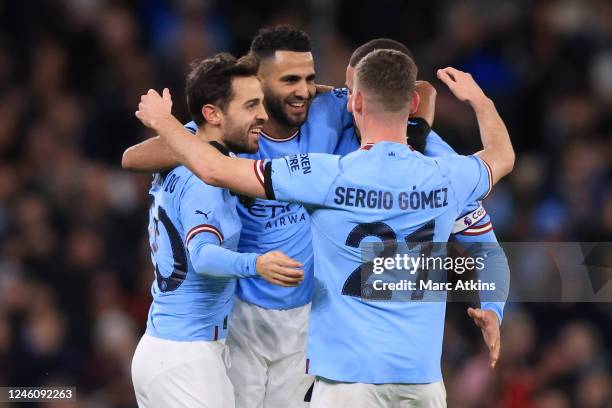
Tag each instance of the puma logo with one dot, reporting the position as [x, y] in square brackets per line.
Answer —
[198, 212]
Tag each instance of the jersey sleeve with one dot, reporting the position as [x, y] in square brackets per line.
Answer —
[213, 260]
[470, 178]
[201, 209]
[340, 102]
[200, 213]
[348, 143]
[337, 104]
[436, 146]
[496, 270]
[303, 178]
[333, 119]
[473, 221]
[192, 127]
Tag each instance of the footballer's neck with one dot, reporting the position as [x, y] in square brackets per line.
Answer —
[387, 130]
[275, 130]
[210, 134]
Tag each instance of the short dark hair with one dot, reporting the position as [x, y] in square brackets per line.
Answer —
[388, 76]
[378, 44]
[210, 82]
[279, 38]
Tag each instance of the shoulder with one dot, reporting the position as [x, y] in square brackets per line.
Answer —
[336, 97]
[189, 183]
[448, 162]
[436, 146]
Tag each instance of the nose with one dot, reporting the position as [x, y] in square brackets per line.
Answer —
[301, 90]
[262, 114]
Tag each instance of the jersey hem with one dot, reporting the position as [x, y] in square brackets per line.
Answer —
[392, 380]
[221, 336]
[273, 308]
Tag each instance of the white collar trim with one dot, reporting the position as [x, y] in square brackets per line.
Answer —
[280, 140]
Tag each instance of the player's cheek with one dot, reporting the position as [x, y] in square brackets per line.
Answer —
[312, 89]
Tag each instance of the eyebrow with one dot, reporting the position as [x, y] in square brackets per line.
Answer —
[294, 77]
[250, 101]
[290, 77]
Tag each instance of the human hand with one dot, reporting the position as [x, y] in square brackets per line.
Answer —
[154, 107]
[277, 268]
[489, 325]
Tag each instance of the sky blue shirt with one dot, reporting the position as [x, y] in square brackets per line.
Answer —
[365, 197]
[472, 227]
[194, 230]
[270, 225]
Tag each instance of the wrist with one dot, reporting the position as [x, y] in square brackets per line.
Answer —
[257, 263]
[495, 314]
[481, 103]
[162, 122]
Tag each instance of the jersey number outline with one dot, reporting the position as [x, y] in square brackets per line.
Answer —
[179, 254]
[357, 282]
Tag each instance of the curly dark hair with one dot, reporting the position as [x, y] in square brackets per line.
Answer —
[280, 38]
[210, 81]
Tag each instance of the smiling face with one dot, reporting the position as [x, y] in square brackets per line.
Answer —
[288, 80]
[244, 116]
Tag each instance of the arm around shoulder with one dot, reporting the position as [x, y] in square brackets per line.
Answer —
[150, 156]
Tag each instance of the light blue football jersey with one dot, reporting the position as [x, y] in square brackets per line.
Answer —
[270, 225]
[473, 226]
[186, 214]
[361, 197]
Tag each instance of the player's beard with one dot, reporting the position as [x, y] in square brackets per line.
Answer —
[238, 138]
[275, 107]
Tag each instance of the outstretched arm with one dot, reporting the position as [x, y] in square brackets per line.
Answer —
[275, 267]
[150, 156]
[206, 162]
[153, 155]
[498, 152]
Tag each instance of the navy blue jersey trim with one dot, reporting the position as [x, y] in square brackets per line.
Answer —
[269, 189]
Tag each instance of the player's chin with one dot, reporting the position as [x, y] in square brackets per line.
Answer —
[297, 119]
[252, 145]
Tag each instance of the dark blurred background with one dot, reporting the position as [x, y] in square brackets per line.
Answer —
[75, 272]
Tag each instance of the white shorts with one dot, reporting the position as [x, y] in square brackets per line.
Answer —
[268, 354]
[329, 393]
[186, 374]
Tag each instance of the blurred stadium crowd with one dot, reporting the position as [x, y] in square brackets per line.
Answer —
[75, 271]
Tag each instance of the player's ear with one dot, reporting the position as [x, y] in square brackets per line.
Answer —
[357, 102]
[414, 103]
[211, 114]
